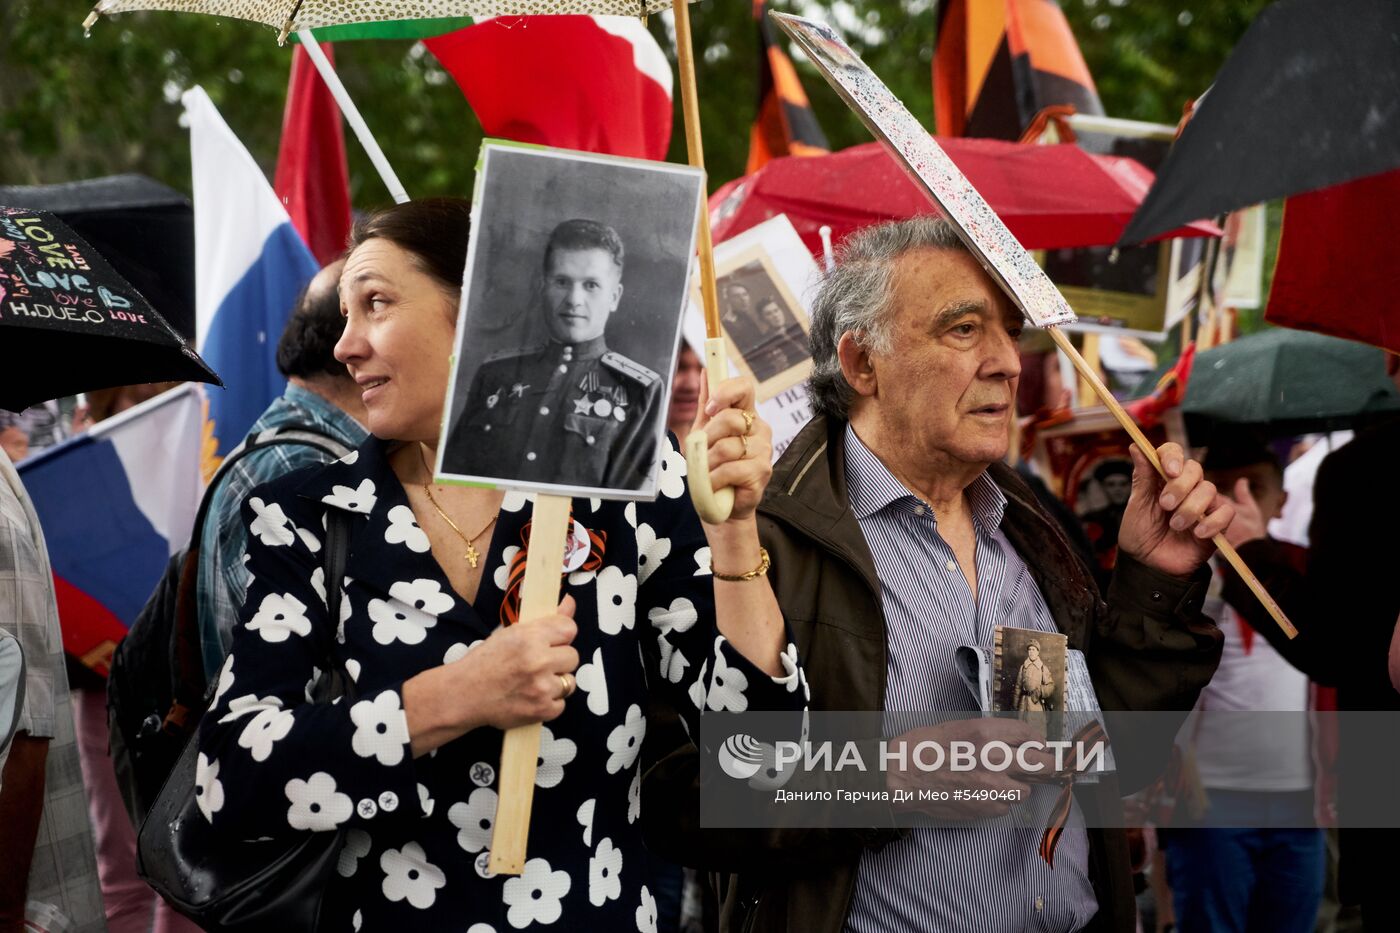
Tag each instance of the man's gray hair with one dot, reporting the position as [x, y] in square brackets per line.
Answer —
[857, 296]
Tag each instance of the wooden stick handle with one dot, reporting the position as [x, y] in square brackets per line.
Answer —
[520, 751]
[1226, 549]
[712, 505]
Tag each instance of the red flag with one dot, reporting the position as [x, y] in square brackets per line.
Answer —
[998, 63]
[785, 124]
[596, 83]
[312, 179]
[1338, 268]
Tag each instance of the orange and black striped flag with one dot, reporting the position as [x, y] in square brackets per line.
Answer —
[998, 63]
[785, 124]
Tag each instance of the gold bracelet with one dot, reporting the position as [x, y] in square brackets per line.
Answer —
[761, 570]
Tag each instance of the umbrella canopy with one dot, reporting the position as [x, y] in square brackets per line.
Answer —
[1048, 196]
[1309, 98]
[292, 15]
[144, 229]
[76, 323]
[1285, 382]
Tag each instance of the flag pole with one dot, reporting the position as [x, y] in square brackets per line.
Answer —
[352, 116]
[713, 505]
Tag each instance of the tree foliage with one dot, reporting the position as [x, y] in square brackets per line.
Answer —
[74, 107]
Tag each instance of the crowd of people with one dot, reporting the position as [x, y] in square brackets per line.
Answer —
[891, 531]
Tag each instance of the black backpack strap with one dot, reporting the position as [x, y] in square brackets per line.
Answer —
[337, 550]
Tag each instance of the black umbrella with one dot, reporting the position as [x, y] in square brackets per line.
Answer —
[1280, 381]
[144, 229]
[1309, 98]
[70, 323]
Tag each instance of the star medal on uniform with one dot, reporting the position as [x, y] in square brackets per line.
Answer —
[518, 390]
[583, 404]
[493, 398]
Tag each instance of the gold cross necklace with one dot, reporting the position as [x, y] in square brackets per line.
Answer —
[472, 556]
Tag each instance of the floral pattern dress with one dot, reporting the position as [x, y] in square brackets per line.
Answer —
[417, 849]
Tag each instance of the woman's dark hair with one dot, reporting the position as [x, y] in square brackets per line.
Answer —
[434, 230]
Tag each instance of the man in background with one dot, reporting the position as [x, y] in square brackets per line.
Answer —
[320, 398]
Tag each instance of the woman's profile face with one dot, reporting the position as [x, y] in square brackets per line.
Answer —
[399, 327]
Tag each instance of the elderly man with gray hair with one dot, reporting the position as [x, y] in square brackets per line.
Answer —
[896, 535]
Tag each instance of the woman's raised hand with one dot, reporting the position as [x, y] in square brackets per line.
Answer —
[741, 443]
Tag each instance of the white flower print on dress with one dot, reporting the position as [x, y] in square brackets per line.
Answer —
[312, 543]
[248, 703]
[554, 755]
[585, 819]
[352, 667]
[316, 804]
[792, 674]
[673, 663]
[630, 513]
[350, 458]
[593, 682]
[697, 688]
[515, 501]
[625, 741]
[356, 847]
[646, 913]
[458, 651]
[225, 681]
[534, 896]
[360, 499]
[381, 729]
[617, 600]
[670, 479]
[425, 801]
[702, 562]
[474, 819]
[481, 928]
[279, 616]
[403, 529]
[208, 789]
[680, 616]
[356, 920]
[266, 729]
[412, 609]
[651, 551]
[727, 685]
[634, 795]
[604, 874]
[408, 875]
[270, 524]
[501, 576]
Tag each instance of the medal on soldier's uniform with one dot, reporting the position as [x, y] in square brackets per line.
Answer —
[518, 390]
[493, 398]
[583, 404]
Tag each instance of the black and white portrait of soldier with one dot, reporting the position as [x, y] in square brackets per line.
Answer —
[559, 373]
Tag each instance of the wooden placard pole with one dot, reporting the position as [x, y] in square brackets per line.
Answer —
[520, 751]
[713, 505]
[1227, 550]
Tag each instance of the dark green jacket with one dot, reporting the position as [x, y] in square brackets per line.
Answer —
[1148, 648]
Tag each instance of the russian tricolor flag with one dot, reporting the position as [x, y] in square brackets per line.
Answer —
[115, 504]
[250, 264]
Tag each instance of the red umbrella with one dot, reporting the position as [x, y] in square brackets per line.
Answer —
[1338, 268]
[1049, 196]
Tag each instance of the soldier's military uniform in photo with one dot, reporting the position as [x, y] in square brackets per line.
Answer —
[567, 411]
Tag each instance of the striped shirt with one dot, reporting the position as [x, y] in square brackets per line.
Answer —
[988, 877]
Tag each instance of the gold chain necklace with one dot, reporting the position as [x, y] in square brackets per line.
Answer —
[472, 556]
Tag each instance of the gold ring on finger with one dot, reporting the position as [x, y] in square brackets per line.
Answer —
[569, 686]
[748, 424]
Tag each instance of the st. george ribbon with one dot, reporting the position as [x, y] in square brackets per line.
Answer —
[1005, 260]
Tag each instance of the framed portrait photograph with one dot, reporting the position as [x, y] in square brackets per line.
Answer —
[575, 284]
[765, 326]
[1029, 672]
